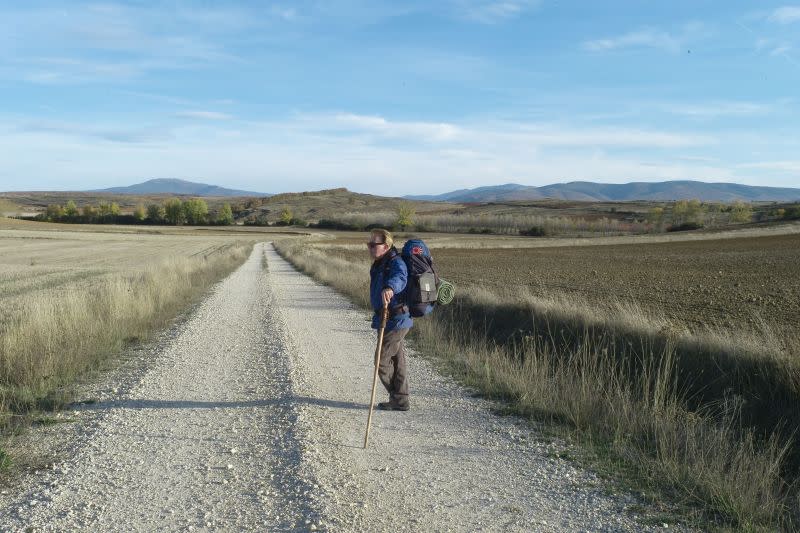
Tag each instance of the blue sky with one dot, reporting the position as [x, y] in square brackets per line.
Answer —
[398, 97]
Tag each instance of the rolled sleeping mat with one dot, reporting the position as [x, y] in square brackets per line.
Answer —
[445, 292]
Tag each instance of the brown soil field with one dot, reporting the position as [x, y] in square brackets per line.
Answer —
[719, 283]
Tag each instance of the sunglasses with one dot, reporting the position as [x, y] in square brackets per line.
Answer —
[375, 244]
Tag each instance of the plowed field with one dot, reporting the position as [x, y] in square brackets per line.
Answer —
[723, 283]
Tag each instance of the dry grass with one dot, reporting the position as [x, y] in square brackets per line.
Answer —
[674, 406]
[72, 299]
[8, 208]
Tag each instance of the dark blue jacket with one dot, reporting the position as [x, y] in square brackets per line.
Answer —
[396, 280]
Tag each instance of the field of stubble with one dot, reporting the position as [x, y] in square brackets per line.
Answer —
[71, 297]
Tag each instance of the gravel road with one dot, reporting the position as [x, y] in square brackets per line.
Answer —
[250, 415]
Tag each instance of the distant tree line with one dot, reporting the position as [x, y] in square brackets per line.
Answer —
[681, 215]
[694, 214]
[175, 212]
[286, 218]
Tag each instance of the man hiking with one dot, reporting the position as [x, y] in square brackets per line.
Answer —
[388, 278]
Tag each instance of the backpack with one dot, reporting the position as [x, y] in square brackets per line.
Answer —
[421, 291]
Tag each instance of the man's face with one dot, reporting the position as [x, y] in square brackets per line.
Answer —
[376, 247]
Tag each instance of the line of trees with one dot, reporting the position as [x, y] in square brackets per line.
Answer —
[694, 214]
[404, 218]
[176, 212]
[677, 216]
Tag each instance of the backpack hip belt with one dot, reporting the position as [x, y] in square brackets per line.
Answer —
[396, 310]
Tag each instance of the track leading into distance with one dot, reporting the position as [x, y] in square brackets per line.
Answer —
[252, 417]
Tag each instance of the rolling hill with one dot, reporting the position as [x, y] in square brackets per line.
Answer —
[605, 192]
[178, 187]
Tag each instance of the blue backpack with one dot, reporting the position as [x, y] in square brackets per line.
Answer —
[421, 291]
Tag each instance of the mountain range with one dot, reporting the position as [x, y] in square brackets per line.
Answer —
[179, 187]
[600, 192]
[574, 191]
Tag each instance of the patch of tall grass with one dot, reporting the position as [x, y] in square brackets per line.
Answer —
[57, 335]
[702, 418]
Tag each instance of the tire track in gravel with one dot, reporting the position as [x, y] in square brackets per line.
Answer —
[206, 440]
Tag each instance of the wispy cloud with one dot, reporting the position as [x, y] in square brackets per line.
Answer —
[778, 44]
[780, 50]
[66, 70]
[425, 131]
[718, 109]
[784, 166]
[697, 158]
[630, 137]
[785, 15]
[75, 131]
[494, 134]
[645, 38]
[285, 13]
[492, 11]
[204, 115]
[668, 41]
[114, 42]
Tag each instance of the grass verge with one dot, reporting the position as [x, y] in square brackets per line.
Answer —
[679, 414]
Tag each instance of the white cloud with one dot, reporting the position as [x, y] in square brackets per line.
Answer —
[502, 133]
[697, 158]
[426, 131]
[784, 166]
[610, 137]
[64, 70]
[780, 50]
[785, 15]
[285, 13]
[82, 132]
[646, 38]
[115, 42]
[718, 109]
[492, 11]
[668, 41]
[204, 115]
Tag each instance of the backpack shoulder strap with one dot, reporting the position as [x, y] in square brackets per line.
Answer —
[387, 263]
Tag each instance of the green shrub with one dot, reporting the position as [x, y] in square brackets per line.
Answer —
[535, 231]
[334, 224]
[792, 213]
[173, 211]
[286, 216]
[195, 211]
[686, 226]
[741, 212]
[405, 215]
[225, 215]
[155, 213]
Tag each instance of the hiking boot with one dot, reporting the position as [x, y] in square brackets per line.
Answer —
[391, 406]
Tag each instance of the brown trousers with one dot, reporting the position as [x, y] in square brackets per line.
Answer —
[392, 366]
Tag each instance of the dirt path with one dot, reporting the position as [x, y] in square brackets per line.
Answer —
[252, 418]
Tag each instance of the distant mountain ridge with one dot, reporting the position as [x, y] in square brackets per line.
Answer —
[618, 192]
[176, 186]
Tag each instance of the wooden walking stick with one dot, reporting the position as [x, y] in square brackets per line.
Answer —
[384, 319]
